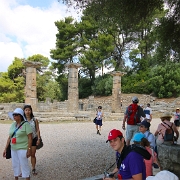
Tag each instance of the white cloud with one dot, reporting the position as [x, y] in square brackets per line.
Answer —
[8, 52]
[26, 30]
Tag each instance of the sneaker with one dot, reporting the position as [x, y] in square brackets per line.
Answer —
[97, 131]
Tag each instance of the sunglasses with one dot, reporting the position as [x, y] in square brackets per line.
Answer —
[16, 114]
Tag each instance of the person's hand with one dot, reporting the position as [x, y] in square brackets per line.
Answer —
[28, 154]
[4, 153]
[123, 126]
[38, 141]
[109, 179]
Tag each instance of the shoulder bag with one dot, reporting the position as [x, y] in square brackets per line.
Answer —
[40, 145]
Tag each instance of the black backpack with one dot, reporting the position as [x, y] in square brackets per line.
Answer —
[133, 147]
[169, 133]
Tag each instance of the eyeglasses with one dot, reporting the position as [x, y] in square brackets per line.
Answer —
[16, 114]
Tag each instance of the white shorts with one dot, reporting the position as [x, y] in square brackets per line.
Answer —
[20, 163]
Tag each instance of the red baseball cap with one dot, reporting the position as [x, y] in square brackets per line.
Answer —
[113, 134]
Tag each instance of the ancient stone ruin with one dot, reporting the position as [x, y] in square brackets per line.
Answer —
[31, 87]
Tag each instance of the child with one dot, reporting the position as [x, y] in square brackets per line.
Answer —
[149, 170]
[98, 122]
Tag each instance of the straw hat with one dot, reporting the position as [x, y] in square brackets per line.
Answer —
[166, 114]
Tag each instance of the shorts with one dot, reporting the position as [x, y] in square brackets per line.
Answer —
[177, 123]
[99, 122]
[34, 141]
[131, 130]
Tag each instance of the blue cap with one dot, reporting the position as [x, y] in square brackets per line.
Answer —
[138, 136]
[145, 124]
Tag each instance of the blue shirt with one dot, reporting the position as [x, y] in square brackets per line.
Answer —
[151, 138]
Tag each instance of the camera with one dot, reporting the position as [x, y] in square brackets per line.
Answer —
[108, 175]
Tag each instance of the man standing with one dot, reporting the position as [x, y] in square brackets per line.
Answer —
[148, 113]
[129, 165]
[132, 117]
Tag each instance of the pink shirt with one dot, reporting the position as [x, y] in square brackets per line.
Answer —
[148, 163]
[162, 128]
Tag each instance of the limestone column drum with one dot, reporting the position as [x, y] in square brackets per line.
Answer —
[31, 87]
[116, 91]
[73, 90]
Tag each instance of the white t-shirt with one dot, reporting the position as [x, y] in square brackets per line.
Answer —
[148, 112]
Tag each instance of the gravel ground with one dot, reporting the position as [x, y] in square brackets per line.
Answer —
[72, 151]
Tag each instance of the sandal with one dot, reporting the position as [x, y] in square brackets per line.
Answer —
[34, 172]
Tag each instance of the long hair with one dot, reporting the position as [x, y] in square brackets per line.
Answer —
[22, 119]
[144, 142]
[28, 106]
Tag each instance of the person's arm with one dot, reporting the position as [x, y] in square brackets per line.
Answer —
[28, 154]
[102, 115]
[7, 144]
[156, 133]
[124, 120]
[37, 131]
[141, 112]
[176, 131]
[151, 114]
[114, 171]
[151, 140]
[137, 177]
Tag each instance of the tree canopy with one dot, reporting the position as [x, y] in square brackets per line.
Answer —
[141, 38]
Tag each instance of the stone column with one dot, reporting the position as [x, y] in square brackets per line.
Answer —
[30, 88]
[73, 91]
[116, 91]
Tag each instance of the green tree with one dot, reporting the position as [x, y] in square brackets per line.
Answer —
[16, 68]
[103, 85]
[165, 80]
[12, 83]
[66, 44]
[42, 59]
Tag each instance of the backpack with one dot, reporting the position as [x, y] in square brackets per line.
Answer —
[169, 133]
[133, 147]
[132, 114]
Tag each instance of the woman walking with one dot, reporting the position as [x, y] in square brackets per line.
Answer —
[28, 113]
[20, 138]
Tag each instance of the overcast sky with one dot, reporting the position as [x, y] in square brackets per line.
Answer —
[27, 28]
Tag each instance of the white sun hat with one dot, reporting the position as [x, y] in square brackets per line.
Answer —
[163, 175]
[16, 111]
